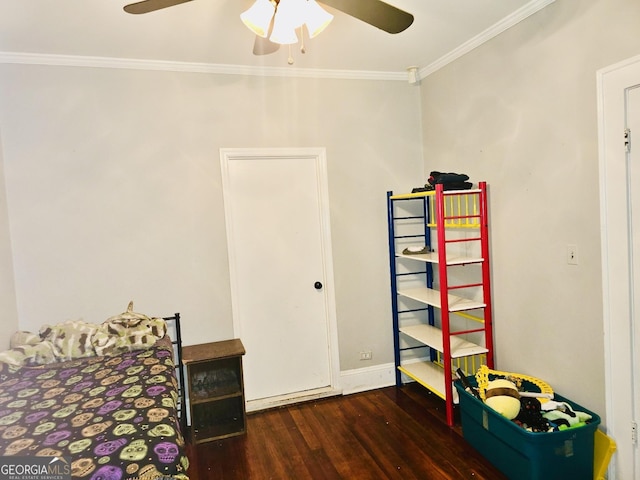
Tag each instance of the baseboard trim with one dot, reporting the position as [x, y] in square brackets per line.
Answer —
[290, 399]
[368, 378]
[351, 381]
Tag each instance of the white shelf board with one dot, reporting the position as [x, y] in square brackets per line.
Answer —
[432, 257]
[432, 297]
[428, 375]
[432, 336]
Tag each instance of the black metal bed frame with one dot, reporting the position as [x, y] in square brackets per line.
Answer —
[177, 356]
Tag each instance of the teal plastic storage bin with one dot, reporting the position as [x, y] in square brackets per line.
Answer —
[520, 454]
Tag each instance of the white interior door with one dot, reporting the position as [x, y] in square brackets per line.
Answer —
[276, 208]
[619, 109]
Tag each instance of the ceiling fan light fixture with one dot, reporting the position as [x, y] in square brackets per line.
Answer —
[287, 18]
[316, 18]
[283, 35]
[258, 17]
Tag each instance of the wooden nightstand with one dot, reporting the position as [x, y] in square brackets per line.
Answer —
[216, 389]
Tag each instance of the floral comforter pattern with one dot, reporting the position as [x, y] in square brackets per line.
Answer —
[114, 417]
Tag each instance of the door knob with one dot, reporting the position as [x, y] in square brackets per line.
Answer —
[317, 285]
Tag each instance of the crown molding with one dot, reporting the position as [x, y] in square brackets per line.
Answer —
[483, 37]
[168, 66]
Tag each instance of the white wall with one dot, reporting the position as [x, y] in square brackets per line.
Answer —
[520, 112]
[114, 189]
[9, 312]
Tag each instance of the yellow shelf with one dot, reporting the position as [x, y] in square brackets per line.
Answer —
[431, 193]
[430, 376]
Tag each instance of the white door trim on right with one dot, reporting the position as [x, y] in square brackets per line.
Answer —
[616, 284]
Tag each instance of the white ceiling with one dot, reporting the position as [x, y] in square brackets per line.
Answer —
[210, 32]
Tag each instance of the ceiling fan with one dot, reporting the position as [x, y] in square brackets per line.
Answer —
[374, 12]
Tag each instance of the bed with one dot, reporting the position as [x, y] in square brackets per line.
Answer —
[105, 398]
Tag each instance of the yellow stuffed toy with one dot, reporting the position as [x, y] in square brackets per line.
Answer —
[502, 395]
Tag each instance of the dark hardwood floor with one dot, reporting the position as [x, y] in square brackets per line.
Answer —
[390, 433]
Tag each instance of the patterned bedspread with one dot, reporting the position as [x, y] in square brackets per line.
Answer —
[114, 417]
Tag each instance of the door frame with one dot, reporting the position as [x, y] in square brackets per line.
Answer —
[612, 83]
[318, 155]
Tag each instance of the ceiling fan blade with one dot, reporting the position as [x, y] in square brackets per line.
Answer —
[264, 46]
[374, 12]
[147, 6]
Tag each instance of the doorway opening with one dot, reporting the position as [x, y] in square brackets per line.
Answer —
[618, 115]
